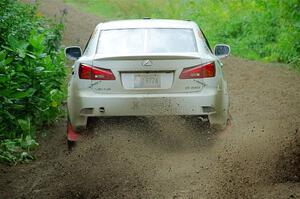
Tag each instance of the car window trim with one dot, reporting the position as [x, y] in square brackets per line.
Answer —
[206, 41]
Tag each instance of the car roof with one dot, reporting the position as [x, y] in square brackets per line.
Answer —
[147, 23]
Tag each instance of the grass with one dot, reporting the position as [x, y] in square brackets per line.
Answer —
[267, 30]
[99, 7]
[118, 9]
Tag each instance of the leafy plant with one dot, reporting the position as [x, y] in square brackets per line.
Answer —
[32, 78]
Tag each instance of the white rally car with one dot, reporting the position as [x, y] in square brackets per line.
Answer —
[147, 67]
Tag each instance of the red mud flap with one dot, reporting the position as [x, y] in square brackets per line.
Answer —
[72, 136]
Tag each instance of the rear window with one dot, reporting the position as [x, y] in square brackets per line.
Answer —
[151, 40]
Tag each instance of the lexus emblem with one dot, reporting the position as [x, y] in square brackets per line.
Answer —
[147, 63]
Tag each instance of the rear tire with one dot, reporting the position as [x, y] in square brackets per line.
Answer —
[71, 145]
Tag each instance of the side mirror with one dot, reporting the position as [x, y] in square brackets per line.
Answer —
[222, 50]
[73, 52]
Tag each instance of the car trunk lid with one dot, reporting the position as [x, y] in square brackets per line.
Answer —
[147, 73]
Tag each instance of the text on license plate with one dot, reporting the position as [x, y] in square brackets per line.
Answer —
[147, 81]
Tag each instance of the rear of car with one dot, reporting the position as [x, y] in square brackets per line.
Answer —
[147, 67]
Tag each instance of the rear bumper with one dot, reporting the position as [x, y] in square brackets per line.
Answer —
[90, 104]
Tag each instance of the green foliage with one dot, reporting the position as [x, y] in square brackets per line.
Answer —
[32, 78]
[256, 29]
[16, 150]
[116, 9]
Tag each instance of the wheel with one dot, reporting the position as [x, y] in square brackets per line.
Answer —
[71, 145]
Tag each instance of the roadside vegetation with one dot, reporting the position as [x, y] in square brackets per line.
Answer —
[267, 30]
[32, 78]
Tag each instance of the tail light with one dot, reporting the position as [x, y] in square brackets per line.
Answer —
[94, 73]
[199, 71]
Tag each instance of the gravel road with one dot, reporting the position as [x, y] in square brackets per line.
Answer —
[174, 157]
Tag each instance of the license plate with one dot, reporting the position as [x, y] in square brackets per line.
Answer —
[147, 81]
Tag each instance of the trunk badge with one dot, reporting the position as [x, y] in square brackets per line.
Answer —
[147, 63]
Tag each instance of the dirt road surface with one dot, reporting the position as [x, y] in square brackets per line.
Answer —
[174, 157]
